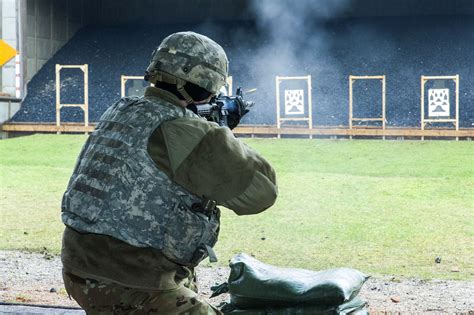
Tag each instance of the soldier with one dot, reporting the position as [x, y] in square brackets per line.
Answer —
[140, 208]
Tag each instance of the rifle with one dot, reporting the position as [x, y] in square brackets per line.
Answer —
[224, 110]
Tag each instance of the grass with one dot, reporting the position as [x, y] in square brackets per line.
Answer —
[384, 207]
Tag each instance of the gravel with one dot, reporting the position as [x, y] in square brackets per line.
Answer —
[33, 278]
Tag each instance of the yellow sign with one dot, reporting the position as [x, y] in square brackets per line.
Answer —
[7, 52]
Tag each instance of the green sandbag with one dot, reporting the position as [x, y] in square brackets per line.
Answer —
[253, 284]
[354, 307]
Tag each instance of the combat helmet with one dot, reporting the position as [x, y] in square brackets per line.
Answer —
[189, 57]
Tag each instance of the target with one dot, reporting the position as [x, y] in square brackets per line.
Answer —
[294, 102]
[438, 104]
[438, 109]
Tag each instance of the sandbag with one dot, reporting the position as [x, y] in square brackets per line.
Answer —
[354, 307]
[253, 284]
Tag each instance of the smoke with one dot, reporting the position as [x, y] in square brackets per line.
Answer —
[294, 31]
[281, 38]
[326, 39]
[292, 20]
[294, 40]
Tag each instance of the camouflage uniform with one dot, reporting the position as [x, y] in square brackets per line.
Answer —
[136, 225]
[101, 297]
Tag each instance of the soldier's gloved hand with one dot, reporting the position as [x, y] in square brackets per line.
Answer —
[236, 111]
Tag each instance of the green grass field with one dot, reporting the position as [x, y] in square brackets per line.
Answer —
[384, 207]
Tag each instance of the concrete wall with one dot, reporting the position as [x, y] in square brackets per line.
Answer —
[49, 25]
[9, 35]
[8, 32]
[37, 29]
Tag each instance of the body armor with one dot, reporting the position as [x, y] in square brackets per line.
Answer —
[117, 190]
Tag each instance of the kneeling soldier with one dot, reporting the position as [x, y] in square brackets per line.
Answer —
[140, 208]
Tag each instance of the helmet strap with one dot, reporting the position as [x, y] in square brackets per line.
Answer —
[167, 78]
[182, 91]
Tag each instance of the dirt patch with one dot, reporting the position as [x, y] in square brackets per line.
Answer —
[36, 278]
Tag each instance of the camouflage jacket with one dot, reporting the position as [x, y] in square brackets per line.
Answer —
[195, 159]
[117, 190]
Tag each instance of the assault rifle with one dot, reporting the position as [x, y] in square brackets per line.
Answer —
[224, 110]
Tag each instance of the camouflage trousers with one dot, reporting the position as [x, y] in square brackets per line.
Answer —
[97, 297]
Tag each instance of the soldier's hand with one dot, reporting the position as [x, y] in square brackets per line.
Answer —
[237, 110]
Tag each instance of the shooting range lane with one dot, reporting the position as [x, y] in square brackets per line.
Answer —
[363, 46]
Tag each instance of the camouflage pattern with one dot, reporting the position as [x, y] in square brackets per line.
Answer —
[117, 190]
[191, 57]
[99, 297]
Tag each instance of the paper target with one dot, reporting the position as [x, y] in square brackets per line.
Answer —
[294, 102]
[438, 102]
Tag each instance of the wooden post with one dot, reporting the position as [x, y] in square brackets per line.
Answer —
[277, 91]
[85, 69]
[58, 100]
[310, 105]
[383, 104]
[457, 104]
[229, 85]
[122, 86]
[422, 105]
[350, 104]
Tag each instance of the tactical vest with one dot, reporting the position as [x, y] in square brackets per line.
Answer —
[117, 190]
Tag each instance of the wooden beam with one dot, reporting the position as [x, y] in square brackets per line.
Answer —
[440, 120]
[355, 132]
[71, 67]
[295, 119]
[367, 77]
[440, 77]
[265, 130]
[294, 78]
[72, 105]
[29, 127]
